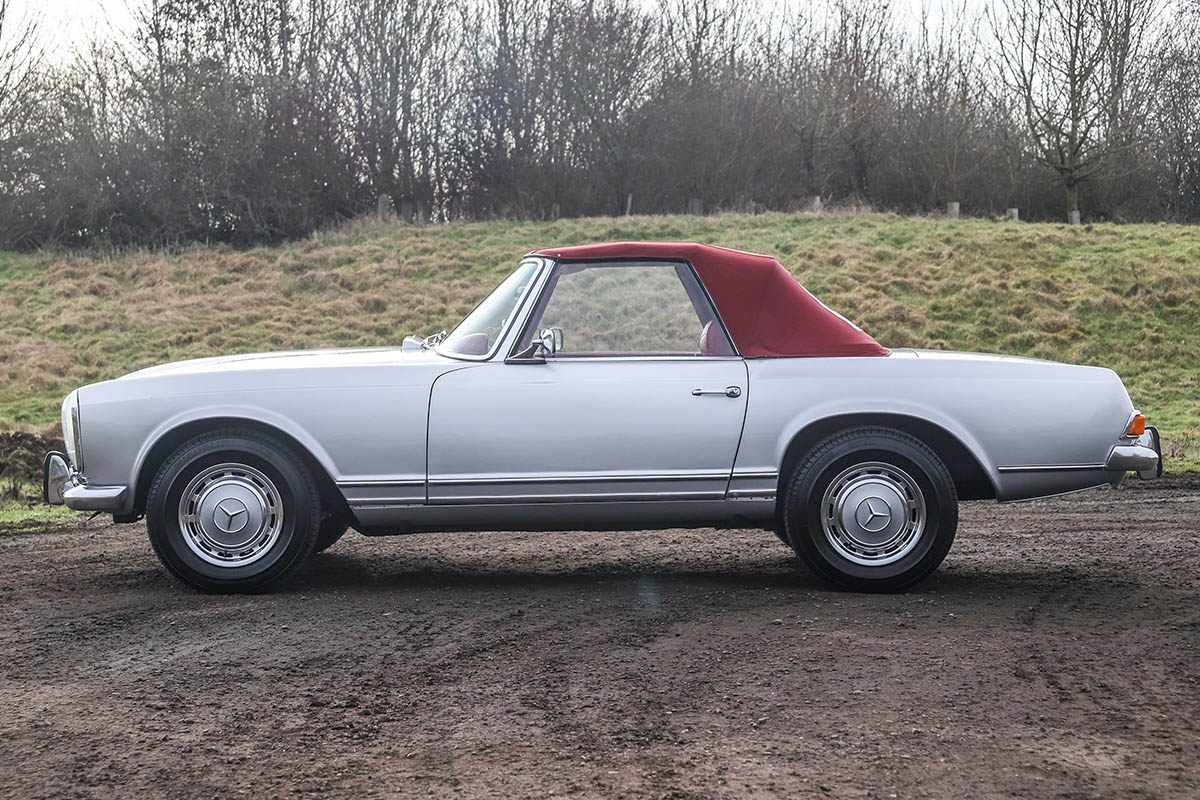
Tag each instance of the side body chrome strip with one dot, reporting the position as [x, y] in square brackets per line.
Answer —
[1050, 467]
[597, 478]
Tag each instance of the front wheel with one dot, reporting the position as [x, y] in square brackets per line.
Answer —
[233, 511]
[871, 510]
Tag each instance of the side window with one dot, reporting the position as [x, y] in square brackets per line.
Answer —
[623, 309]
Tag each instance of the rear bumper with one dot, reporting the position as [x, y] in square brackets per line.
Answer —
[1144, 456]
[61, 486]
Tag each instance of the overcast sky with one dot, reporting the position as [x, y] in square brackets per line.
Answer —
[66, 23]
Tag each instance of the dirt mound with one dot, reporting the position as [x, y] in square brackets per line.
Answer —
[21, 454]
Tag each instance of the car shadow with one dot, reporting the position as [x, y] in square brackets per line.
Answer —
[336, 571]
[967, 584]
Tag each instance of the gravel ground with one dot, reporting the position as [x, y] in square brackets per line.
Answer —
[1054, 655]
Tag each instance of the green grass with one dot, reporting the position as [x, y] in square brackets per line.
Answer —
[21, 506]
[14, 516]
[1121, 296]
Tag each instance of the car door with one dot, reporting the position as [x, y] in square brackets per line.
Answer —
[643, 401]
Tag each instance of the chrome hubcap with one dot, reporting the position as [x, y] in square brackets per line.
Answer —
[873, 513]
[230, 515]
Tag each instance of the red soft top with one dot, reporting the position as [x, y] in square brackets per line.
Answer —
[766, 311]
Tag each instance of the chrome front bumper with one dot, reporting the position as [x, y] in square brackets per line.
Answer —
[61, 486]
[1144, 456]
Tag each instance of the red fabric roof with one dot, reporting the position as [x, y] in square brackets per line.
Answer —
[766, 311]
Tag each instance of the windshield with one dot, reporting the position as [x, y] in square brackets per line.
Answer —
[478, 333]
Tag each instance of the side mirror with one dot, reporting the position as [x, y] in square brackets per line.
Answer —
[551, 339]
[533, 354]
[549, 342]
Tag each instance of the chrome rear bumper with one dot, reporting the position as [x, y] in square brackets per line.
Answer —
[1144, 456]
[61, 486]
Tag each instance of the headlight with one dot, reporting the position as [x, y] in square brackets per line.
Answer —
[70, 426]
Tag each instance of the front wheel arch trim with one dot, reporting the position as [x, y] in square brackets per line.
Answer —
[169, 441]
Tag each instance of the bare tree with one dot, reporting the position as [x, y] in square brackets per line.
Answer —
[394, 57]
[20, 60]
[1176, 114]
[608, 65]
[943, 103]
[1075, 65]
[245, 122]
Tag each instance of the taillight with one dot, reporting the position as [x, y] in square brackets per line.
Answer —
[1137, 426]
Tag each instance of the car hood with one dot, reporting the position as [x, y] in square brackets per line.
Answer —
[290, 360]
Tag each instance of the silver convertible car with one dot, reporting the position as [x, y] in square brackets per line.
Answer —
[635, 385]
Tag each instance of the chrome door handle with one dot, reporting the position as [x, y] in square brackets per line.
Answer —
[728, 391]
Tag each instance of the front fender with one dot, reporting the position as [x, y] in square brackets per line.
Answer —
[233, 412]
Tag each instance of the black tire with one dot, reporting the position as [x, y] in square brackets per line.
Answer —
[863, 453]
[292, 515]
[332, 528]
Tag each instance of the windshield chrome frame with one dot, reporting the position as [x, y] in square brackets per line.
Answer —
[516, 319]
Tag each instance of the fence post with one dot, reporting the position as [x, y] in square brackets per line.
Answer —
[814, 204]
[1073, 217]
[1012, 215]
[383, 205]
[695, 206]
[555, 210]
[952, 209]
[629, 204]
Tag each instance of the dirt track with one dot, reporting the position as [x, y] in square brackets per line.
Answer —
[1057, 653]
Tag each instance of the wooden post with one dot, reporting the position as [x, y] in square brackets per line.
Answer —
[952, 209]
[554, 211]
[383, 205]
[422, 213]
[1073, 218]
[629, 204]
[1013, 215]
[814, 204]
[695, 206]
[406, 210]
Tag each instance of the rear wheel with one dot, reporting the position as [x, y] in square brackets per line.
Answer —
[233, 511]
[871, 510]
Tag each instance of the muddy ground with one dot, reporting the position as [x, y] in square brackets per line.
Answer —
[1056, 654]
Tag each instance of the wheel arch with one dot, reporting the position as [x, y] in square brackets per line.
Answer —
[972, 481]
[170, 440]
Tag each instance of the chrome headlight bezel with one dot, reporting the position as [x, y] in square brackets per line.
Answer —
[70, 426]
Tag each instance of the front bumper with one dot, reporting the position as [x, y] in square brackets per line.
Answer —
[61, 486]
[1144, 456]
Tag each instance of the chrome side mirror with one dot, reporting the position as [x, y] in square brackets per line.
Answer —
[535, 353]
[551, 339]
[549, 342]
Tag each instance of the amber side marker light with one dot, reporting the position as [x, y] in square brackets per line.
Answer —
[1137, 427]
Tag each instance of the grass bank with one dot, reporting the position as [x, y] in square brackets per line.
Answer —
[1126, 297]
